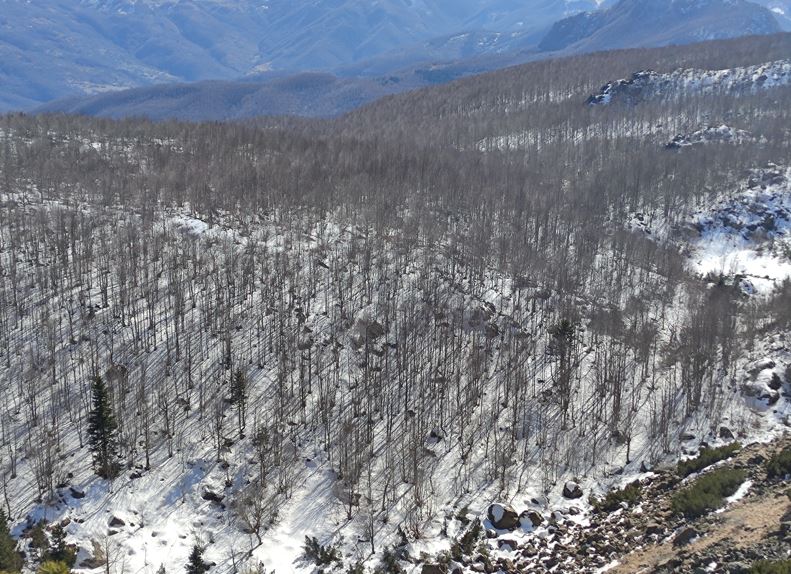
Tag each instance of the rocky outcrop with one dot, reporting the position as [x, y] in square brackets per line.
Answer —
[558, 540]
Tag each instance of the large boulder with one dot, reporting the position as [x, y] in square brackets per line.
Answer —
[503, 516]
[76, 492]
[726, 433]
[369, 329]
[759, 366]
[540, 500]
[211, 495]
[531, 518]
[572, 490]
[685, 536]
[760, 391]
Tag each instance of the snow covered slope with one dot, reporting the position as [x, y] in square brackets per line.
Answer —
[422, 326]
[747, 233]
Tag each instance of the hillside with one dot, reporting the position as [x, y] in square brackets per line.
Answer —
[430, 335]
[308, 94]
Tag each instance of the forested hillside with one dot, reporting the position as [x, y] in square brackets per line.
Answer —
[217, 340]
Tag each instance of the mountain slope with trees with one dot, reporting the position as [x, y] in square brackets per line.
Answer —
[385, 341]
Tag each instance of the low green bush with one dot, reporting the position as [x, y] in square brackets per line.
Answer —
[708, 492]
[53, 567]
[771, 567]
[319, 554]
[629, 494]
[390, 564]
[779, 466]
[706, 458]
[465, 546]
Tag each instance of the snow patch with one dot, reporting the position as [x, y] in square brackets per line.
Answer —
[748, 233]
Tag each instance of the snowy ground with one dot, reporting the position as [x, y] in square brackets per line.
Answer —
[747, 233]
[164, 511]
[159, 514]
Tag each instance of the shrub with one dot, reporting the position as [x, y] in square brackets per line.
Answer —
[38, 537]
[320, 554]
[771, 567]
[707, 457]
[53, 567]
[59, 551]
[708, 492]
[10, 559]
[195, 562]
[779, 465]
[466, 544]
[629, 494]
[390, 563]
[461, 515]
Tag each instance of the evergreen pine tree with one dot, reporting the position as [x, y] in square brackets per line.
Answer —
[59, 551]
[102, 431]
[38, 538]
[10, 559]
[196, 565]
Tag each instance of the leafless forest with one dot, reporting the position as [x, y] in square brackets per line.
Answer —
[392, 294]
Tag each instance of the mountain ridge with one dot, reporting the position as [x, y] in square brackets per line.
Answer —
[57, 49]
[645, 23]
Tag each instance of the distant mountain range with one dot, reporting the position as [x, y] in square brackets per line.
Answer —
[52, 49]
[650, 23]
[224, 59]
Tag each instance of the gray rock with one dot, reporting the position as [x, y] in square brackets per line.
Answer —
[531, 517]
[211, 496]
[572, 490]
[685, 536]
[726, 433]
[503, 516]
[76, 492]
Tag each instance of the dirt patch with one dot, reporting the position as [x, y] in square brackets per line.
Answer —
[743, 524]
